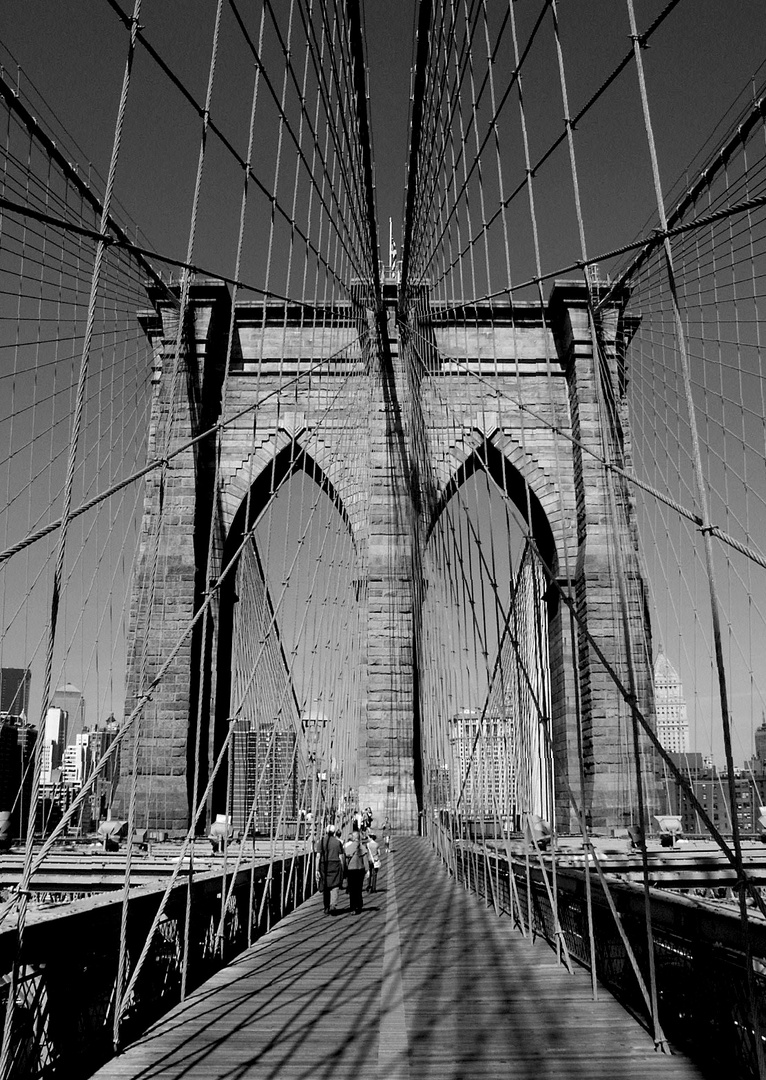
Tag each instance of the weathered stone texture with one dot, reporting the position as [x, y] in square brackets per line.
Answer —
[533, 415]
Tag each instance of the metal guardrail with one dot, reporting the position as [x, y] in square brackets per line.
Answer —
[700, 958]
[66, 990]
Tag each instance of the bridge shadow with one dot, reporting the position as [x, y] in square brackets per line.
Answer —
[426, 983]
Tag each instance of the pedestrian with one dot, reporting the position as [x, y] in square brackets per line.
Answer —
[357, 865]
[388, 843]
[331, 866]
[373, 850]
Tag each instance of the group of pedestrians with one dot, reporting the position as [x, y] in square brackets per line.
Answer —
[357, 859]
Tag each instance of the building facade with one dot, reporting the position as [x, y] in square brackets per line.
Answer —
[71, 700]
[713, 792]
[14, 691]
[482, 752]
[670, 706]
[265, 775]
[17, 748]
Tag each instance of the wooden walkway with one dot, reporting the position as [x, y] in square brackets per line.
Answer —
[427, 982]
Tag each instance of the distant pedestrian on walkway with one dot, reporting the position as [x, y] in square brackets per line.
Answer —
[331, 864]
[373, 850]
[357, 865]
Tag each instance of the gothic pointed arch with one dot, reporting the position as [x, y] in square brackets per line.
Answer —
[515, 474]
[288, 461]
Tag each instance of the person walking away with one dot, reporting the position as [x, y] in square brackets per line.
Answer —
[331, 865]
[357, 865]
[373, 850]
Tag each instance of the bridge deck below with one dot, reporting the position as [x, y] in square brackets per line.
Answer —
[427, 982]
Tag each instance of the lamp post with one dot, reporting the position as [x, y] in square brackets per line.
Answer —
[314, 723]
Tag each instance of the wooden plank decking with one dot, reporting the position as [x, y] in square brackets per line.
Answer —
[427, 982]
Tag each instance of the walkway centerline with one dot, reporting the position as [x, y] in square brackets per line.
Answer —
[427, 982]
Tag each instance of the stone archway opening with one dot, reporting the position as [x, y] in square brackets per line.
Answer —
[290, 634]
[490, 617]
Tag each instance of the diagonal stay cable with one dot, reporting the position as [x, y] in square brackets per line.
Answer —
[574, 120]
[157, 463]
[749, 552]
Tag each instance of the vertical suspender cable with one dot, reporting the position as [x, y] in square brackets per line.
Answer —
[705, 529]
[5, 1052]
[658, 1036]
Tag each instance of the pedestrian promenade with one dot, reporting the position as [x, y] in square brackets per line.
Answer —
[426, 983]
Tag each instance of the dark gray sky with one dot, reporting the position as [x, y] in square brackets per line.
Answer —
[699, 60]
[73, 51]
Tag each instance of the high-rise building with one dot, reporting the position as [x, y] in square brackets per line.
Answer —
[760, 742]
[70, 699]
[81, 758]
[482, 753]
[245, 776]
[265, 770]
[670, 706]
[54, 742]
[75, 761]
[17, 747]
[278, 792]
[97, 741]
[14, 691]
[712, 790]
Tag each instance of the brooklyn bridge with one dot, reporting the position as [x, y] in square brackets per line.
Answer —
[383, 456]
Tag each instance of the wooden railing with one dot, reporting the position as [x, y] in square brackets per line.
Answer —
[699, 952]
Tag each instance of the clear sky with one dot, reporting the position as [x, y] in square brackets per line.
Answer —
[699, 60]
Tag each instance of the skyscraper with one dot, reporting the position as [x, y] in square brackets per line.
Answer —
[482, 755]
[54, 740]
[245, 776]
[670, 706]
[14, 691]
[760, 742]
[70, 699]
[265, 769]
[17, 746]
[93, 745]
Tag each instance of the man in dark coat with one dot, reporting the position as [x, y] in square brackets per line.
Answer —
[357, 865]
[331, 865]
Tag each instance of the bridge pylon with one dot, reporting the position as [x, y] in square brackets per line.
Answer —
[544, 446]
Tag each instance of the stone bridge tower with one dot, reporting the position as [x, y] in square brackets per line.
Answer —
[544, 446]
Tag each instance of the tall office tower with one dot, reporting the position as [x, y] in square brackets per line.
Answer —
[760, 741]
[94, 744]
[26, 735]
[76, 761]
[97, 741]
[54, 740]
[278, 791]
[670, 706]
[10, 773]
[17, 746]
[14, 691]
[245, 776]
[482, 757]
[70, 699]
